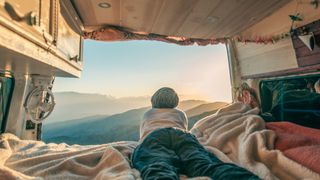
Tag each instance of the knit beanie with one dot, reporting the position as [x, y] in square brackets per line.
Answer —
[165, 98]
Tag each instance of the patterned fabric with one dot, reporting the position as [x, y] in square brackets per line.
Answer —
[116, 33]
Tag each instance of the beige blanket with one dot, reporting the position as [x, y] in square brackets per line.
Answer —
[239, 133]
[235, 134]
[33, 160]
[22, 159]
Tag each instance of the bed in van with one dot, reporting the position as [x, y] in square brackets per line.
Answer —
[273, 46]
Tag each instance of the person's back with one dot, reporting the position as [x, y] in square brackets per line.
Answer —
[163, 113]
[157, 118]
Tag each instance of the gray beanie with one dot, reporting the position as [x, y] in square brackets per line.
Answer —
[165, 98]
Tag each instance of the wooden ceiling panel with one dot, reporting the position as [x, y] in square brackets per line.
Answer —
[93, 15]
[222, 10]
[108, 15]
[184, 18]
[242, 15]
[248, 17]
[172, 15]
[85, 10]
[140, 14]
[197, 17]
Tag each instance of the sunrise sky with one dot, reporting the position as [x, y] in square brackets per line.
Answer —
[138, 68]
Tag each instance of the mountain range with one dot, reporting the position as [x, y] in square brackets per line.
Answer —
[74, 105]
[100, 129]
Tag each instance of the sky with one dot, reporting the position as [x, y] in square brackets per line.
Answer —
[139, 68]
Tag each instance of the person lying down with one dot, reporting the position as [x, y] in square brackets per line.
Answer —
[166, 148]
[247, 95]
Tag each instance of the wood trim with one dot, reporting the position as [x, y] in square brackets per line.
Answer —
[303, 70]
[73, 18]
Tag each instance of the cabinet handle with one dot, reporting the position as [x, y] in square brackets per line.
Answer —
[74, 58]
[31, 18]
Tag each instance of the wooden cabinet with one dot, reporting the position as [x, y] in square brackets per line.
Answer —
[45, 30]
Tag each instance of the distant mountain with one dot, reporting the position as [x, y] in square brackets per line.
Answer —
[74, 105]
[119, 127]
[124, 126]
[189, 104]
[205, 108]
[73, 122]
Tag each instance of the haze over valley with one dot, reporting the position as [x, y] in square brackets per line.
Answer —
[96, 119]
[74, 105]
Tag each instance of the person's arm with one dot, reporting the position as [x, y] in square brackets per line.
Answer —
[142, 123]
[184, 119]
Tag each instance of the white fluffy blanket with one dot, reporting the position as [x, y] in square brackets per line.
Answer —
[22, 159]
[235, 134]
[36, 160]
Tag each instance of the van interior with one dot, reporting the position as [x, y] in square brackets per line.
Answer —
[273, 46]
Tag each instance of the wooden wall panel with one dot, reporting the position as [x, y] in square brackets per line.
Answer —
[261, 58]
[257, 59]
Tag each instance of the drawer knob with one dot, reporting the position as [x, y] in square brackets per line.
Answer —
[33, 18]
